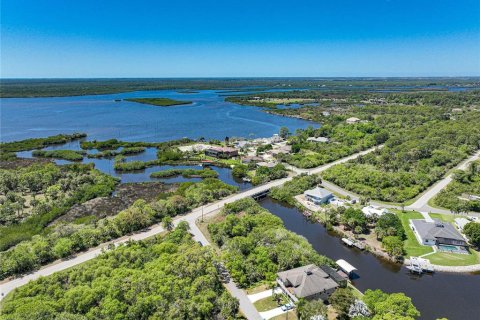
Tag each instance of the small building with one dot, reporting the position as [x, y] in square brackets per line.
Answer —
[346, 267]
[461, 223]
[374, 211]
[221, 152]
[437, 233]
[457, 110]
[352, 120]
[318, 139]
[309, 282]
[318, 195]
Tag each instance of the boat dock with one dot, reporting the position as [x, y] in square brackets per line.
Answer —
[353, 243]
[420, 265]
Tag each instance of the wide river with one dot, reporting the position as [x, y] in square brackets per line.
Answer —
[102, 118]
[455, 296]
[450, 295]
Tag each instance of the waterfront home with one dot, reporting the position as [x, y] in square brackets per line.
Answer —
[221, 152]
[438, 233]
[318, 195]
[352, 120]
[461, 223]
[309, 282]
[374, 211]
[318, 139]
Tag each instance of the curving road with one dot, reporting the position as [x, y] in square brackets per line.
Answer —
[246, 306]
[421, 204]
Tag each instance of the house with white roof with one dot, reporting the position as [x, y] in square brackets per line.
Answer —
[318, 195]
[374, 211]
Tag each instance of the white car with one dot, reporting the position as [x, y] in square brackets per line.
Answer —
[287, 307]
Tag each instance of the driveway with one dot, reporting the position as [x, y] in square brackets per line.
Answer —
[272, 313]
[262, 295]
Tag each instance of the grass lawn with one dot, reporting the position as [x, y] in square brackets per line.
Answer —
[258, 289]
[412, 247]
[443, 217]
[290, 315]
[455, 259]
[266, 304]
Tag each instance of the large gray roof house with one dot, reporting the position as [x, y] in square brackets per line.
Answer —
[309, 282]
[436, 232]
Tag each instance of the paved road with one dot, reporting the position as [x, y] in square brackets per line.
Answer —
[191, 218]
[421, 204]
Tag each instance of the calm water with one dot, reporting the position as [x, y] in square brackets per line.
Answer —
[106, 166]
[454, 296]
[102, 118]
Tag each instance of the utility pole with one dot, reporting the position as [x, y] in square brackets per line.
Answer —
[202, 213]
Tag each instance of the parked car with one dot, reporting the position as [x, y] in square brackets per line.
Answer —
[287, 307]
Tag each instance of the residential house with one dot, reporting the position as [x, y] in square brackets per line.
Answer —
[374, 211]
[436, 232]
[309, 282]
[318, 195]
[221, 152]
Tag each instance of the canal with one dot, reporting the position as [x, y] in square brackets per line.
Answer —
[449, 295]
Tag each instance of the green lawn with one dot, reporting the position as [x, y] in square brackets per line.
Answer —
[455, 259]
[266, 304]
[412, 247]
[443, 217]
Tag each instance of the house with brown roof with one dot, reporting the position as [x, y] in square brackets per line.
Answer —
[309, 282]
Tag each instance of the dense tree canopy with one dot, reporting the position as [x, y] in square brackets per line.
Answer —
[410, 161]
[165, 278]
[256, 245]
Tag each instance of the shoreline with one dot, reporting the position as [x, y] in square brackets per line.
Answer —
[339, 233]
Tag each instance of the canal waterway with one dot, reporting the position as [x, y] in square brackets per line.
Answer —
[450, 295]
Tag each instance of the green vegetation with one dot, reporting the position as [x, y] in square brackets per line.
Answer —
[389, 224]
[162, 102]
[457, 196]
[411, 245]
[73, 87]
[114, 153]
[163, 278]
[472, 231]
[345, 139]
[296, 186]
[266, 304]
[410, 161]
[8, 149]
[455, 259]
[186, 173]
[66, 239]
[256, 245]
[341, 300]
[113, 144]
[265, 174]
[36, 195]
[390, 306]
[69, 155]
[311, 309]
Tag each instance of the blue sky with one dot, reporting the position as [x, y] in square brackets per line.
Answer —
[227, 38]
